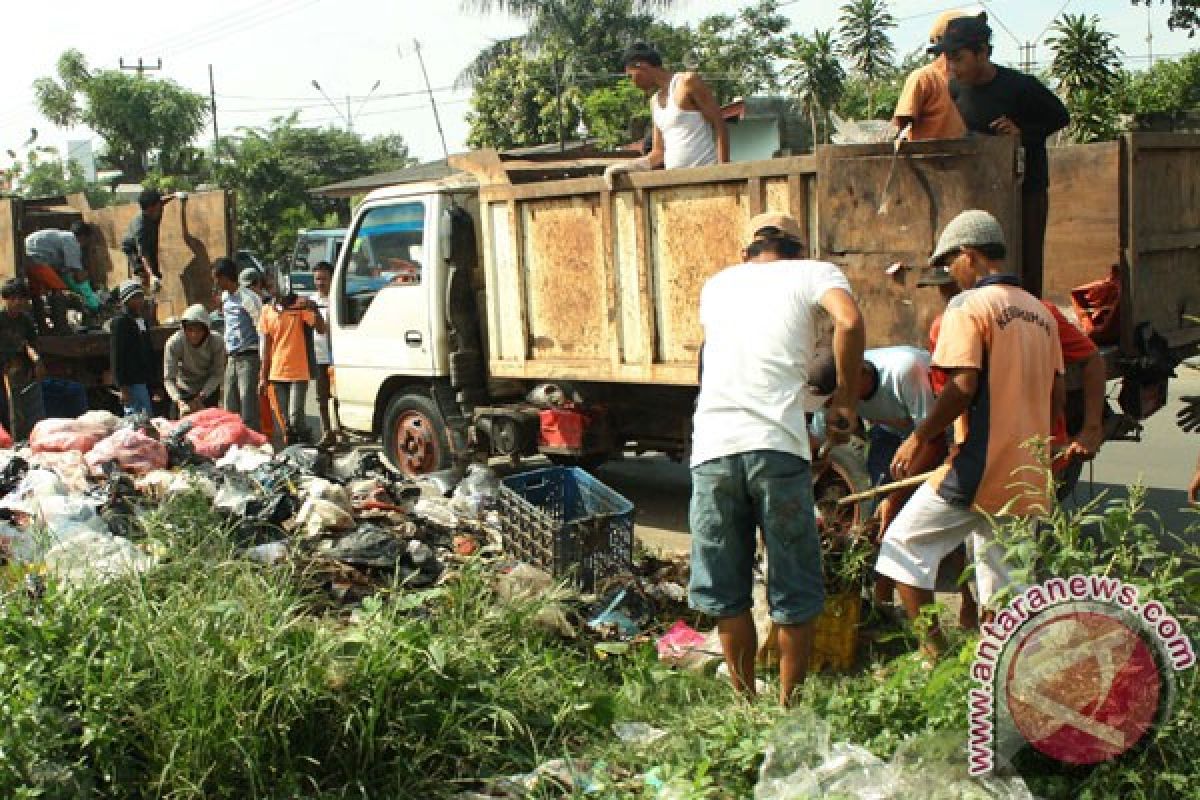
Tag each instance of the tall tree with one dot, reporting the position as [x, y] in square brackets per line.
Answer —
[145, 122]
[274, 167]
[815, 76]
[866, 43]
[1169, 85]
[739, 55]
[1087, 65]
[518, 103]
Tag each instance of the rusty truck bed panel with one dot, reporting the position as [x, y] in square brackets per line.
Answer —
[593, 285]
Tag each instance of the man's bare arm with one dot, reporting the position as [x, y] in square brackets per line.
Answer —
[699, 95]
[849, 339]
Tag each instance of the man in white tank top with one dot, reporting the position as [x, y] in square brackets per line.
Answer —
[689, 130]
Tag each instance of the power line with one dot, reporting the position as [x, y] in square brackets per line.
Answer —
[221, 34]
[239, 20]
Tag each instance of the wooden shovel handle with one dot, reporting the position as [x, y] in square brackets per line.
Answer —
[886, 488]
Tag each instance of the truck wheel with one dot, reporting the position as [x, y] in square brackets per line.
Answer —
[415, 441]
[844, 474]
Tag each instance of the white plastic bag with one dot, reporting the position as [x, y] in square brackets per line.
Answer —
[317, 515]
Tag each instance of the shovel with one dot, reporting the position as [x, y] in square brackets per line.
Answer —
[887, 184]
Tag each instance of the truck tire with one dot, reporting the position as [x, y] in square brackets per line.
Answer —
[415, 439]
[845, 474]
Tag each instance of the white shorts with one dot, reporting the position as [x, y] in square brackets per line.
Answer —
[926, 530]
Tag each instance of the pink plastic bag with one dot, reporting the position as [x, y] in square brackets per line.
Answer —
[679, 641]
[133, 451]
[215, 430]
[61, 435]
[5, 440]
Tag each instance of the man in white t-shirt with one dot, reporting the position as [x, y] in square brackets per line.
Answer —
[323, 279]
[750, 451]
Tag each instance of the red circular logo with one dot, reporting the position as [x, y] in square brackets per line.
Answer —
[1083, 687]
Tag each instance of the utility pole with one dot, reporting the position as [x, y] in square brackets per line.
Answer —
[348, 116]
[212, 100]
[140, 68]
[1149, 38]
[436, 119]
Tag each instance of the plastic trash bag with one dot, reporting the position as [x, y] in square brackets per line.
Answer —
[245, 458]
[92, 557]
[34, 484]
[132, 449]
[215, 430]
[638, 733]
[269, 553]
[322, 489]
[477, 492]
[69, 466]
[59, 435]
[317, 516]
[18, 545]
[682, 646]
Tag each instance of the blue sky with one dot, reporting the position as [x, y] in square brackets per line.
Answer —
[266, 53]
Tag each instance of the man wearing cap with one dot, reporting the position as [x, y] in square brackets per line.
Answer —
[689, 130]
[193, 363]
[141, 238]
[996, 100]
[925, 103]
[750, 451]
[55, 266]
[241, 308]
[1000, 350]
[133, 365]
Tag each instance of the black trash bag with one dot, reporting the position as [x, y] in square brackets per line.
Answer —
[118, 498]
[180, 452]
[274, 509]
[308, 460]
[369, 546]
[12, 474]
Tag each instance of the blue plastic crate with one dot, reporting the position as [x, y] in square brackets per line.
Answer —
[568, 523]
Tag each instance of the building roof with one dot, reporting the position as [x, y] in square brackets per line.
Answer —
[429, 171]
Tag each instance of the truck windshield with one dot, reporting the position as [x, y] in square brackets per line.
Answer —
[386, 252]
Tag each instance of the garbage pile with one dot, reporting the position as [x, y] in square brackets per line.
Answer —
[72, 503]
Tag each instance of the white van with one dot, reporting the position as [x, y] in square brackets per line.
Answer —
[312, 247]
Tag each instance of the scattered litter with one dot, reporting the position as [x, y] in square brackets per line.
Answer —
[318, 515]
[638, 733]
[245, 458]
[93, 557]
[682, 646]
[269, 553]
[69, 466]
[477, 492]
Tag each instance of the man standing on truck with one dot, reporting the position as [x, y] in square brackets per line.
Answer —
[241, 309]
[925, 103]
[750, 450]
[140, 244]
[193, 363]
[23, 368]
[996, 100]
[55, 266]
[689, 130]
[999, 348]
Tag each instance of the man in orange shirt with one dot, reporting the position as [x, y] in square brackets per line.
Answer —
[1000, 349]
[286, 329]
[925, 103]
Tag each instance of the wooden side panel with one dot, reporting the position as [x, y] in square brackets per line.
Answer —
[628, 267]
[932, 182]
[193, 234]
[10, 243]
[695, 232]
[565, 283]
[1164, 236]
[1083, 228]
[504, 297]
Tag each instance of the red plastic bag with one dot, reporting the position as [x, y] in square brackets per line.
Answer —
[215, 430]
[1098, 306]
[5, 440]
[133, 451]
[60, 435]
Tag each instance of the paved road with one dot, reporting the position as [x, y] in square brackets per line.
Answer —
[1163, 462]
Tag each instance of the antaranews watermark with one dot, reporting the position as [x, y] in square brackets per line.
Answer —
[1077, 667]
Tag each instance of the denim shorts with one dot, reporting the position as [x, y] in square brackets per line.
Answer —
[734, 497]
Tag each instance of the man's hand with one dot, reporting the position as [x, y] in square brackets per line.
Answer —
[840, 418]
[1005, 125]
[1085, 445]
[905, 455]
[1188, 417]
[633, 165]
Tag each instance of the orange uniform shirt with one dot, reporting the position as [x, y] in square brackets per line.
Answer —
[289, 332]
[1009, 336]
[926, 98]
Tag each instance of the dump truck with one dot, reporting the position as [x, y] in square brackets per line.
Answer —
[193, 233]
[501, 312]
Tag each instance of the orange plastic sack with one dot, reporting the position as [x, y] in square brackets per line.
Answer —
[1098, 306]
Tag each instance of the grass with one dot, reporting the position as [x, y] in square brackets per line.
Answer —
[214, 677]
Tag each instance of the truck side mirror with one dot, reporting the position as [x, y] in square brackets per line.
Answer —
[446, 235]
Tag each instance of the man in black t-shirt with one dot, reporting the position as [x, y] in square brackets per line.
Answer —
[996, 100]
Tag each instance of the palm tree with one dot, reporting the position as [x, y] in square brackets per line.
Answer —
[1087, 65]
[863, 36]
[572, 25]
[815, 76]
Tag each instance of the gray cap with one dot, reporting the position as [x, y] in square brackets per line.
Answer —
[249, 276]
[197, 314]
[969, 229]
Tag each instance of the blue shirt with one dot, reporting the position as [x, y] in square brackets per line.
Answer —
[241, 327]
